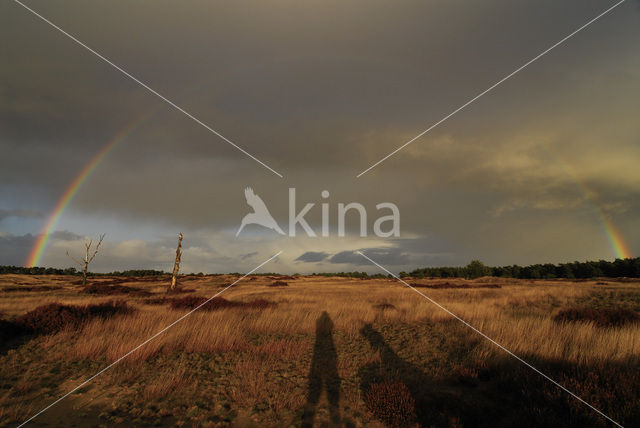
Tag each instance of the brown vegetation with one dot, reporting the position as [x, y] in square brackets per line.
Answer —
[278, 284]
[55, 316]
[391, 403]
[602, 317]
[28, 289]
[109, 290]
[245, 358]
[192, 302]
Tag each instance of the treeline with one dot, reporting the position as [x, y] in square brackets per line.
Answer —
[629, 268]
[38, 270]
[20, 270]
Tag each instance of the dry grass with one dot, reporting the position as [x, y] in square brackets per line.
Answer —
[165, 384]
[392, 403]
[602, 317]
[264, 342]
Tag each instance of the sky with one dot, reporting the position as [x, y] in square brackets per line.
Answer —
[541, 169]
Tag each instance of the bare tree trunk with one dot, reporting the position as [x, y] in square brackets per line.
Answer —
[176, 265]
[84, 272]
[84, 263]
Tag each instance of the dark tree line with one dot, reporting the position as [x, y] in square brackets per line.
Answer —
[20, 270]
[629, 268]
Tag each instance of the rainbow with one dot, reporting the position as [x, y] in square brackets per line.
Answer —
[43, 239]
[616, 242]
[619, 247]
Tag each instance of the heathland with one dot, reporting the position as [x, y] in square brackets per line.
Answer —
[319, 351]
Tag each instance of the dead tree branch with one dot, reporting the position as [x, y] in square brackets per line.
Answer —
[176, 265]
[84, 263]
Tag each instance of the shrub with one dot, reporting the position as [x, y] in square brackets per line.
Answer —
[192, 302]
[156, 301]
[51, 317]
[55, 316]
[24, 288]
[108, 309]
[105, 289]
[602, 317]
[391, 403]
[278, 284]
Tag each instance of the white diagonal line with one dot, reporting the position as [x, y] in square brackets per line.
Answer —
[490, 88]
[153, 91]
[151, 338]
[489, 339]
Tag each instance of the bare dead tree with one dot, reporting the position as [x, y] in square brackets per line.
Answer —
[84, 263]
[176, 265]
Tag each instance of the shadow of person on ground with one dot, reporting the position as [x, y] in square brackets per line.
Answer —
[435, 403]
[323, 373]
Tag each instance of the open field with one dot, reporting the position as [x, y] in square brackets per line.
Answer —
[321, 351]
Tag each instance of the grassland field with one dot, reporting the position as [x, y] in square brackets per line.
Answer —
[319, 351]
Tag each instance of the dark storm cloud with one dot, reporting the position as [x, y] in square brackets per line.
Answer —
[350, 257]
[14, 249]
[312, 257]
[383, 256]
[291, 80]
[320, 91]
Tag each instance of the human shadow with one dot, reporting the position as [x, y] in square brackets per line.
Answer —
[13, 336]
[323, 373]
[435, 403]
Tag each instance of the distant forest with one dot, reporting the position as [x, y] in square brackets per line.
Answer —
[72, 271]
[629, 268]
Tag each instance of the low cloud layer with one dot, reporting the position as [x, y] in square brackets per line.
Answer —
[19, 213]
[312, 257]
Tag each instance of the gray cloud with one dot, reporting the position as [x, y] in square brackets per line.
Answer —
[65, 235]
[20, 213]
[384, 256]
[312, 257]
[348, 257]
[15, 248]
[249, 255]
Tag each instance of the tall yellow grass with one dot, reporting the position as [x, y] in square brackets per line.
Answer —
[518, 316]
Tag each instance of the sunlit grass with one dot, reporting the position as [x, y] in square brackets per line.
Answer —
[265, 352]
